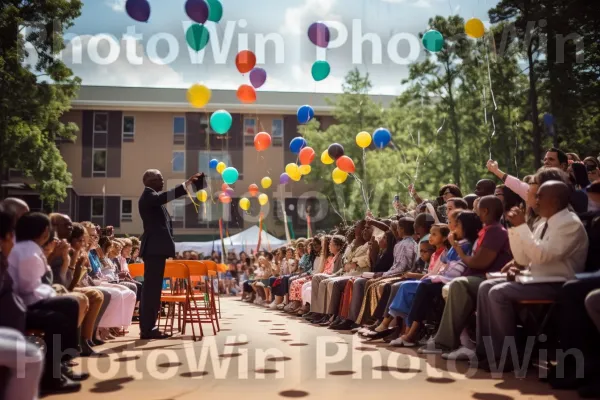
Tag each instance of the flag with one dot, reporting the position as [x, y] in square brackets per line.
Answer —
[285, 223]
[222, 241]
[260, 228]
[308, 227]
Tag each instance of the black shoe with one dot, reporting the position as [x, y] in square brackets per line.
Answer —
[97, 342]
[381, 335]
[154, 335]
[320, 319]
[309, 315]
[58, 386]
[328, 321]
[334, 325]
[86, 349]
[72, 375]
[393, 336]
[315, 318]
[346, 325]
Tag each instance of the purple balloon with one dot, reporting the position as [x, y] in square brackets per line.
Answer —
[197, 10]
[258, 76]
[319, 34]
[230, 192]
[284, 179]
[139, 10]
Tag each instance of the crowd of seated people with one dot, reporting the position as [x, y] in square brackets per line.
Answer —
[67, 283]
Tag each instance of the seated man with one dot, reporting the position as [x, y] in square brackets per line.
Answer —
[490, 253]
[557, 248]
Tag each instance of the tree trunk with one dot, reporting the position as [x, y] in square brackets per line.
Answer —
[456, 134]
[533, 102]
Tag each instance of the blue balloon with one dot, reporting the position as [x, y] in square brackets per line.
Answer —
[548, 119]
[305, 114]
[381, 137]
[213, 163]
[297, 144]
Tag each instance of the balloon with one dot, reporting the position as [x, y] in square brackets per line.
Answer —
[320, 70]
[297, 144]
[220, 121]
[262, 141]
[339, 176]
[229, 191]
[266, 182]
[253, 190]
[335, 151]
[304, 169]
[244, 204]
[202, 195]
[230, 175]
[319, 34]
[197, 10]
[346, 164]
[548, 119]
[138, 10]
[292, 169]
[363, 140]
[305, 114]
[263, 199]
[246, 94]
[433, 41]
[306, 156]
[284, 178]
[224, 198]
[215, 10]
[221, 167]
[245, 61]
[258, 76]
[212, 164]
[325, 159]
[381, 137]
[225, 187]
[296, 177]
[474, 28]
[197, 37]
[198, 95]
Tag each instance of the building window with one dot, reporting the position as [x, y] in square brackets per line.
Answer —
[97, 207]
[126, 210]
[277, 132]
[178, 210]
[100, 122]
[204, 158]
[178, 161]
[99, 162]
[205, 125]
[179, 130]
[250, 126]
[128, 128]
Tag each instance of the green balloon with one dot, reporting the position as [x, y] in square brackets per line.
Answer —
[215, 10]
[433, 41]
[220, 121]
[197, 36]
[320, 70]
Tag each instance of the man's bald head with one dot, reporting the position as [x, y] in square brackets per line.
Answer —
[485, 187]
[552, 197]
[16, 206]
[153, 179]
[490, 209]
[62, 224]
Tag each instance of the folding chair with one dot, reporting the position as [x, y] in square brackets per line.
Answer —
[179, 298]
[202, 303]
[548, 307]
[136, 270]
[214, 268]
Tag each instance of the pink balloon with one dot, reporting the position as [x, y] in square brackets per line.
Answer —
[258, 76]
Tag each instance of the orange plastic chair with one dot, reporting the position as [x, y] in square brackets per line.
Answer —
[178, 301]
[213, 271]
[136, 270]
[202, 302]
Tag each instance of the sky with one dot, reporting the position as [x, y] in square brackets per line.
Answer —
[102, 50]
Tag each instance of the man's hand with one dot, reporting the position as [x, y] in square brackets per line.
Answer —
[516, 216]
[492, 166]
[194, 178]
[411, 190]
[512, 273]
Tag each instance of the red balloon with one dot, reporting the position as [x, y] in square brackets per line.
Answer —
[245, 61]
[246, 94]
[346, 164]
[225, 187]
[306, 155]
[224, 198]
[262, 141]
[253, 190]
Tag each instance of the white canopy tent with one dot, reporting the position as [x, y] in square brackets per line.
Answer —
[244, 241]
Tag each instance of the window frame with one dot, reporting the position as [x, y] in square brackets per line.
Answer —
[98, 173]
[94, 121]
[126, 217]
[92, 215]
[178, 202]
[127, 136]
[173, 162]
[277, 140]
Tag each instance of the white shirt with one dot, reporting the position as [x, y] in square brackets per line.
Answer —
[26, 266]
[561, 252]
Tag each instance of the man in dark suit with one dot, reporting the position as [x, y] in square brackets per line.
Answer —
[157, 244]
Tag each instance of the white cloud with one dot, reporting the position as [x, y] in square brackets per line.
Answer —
[299, 18]
[415, 3]
[116, 5]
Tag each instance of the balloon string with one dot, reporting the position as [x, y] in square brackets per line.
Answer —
[492, 135]
[192, 200]
[362, 189]
[487, 57]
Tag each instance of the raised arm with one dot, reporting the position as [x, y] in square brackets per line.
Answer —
[511, 182]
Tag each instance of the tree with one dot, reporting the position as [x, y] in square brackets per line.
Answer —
[33, 97]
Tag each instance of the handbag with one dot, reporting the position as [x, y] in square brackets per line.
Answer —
[14, 310]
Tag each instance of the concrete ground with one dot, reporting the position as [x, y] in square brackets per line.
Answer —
[267, 354]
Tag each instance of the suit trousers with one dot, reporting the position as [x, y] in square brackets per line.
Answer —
[319, 293]
[154, 271]
[24, 361]
[592, 305]
[335, 292]
[358, 293]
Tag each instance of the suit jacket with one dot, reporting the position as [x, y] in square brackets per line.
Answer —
[157, 239]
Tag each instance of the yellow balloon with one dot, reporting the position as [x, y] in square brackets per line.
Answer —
[221, 167]
[363, 139]
[244, 204]
[304, 169]
[263, 199]
[339, 176]
[474, 28]
[266, 182]
[202, 195]
[325, 159]
[198, 95]
[292, 169]
[296, 177]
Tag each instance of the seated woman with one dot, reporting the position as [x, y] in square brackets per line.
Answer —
[279, 286]
[262, 275]
[414, 310]
[306, 264]
[302, 291]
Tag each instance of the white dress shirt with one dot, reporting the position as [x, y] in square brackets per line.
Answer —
[26, 266]
[559, 251]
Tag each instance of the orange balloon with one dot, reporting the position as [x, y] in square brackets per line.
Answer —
[224, 187]
[346, 164]
[306, 155]
[253, 190]
[245, 61]
[246, 94]
[224, 198]
[262, 141]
